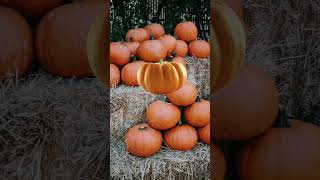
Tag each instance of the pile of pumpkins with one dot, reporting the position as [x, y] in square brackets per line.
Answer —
[180, 124]
[246, 107]
[152, 45]
[50, 31]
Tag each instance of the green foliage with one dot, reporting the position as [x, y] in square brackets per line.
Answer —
[126, 15]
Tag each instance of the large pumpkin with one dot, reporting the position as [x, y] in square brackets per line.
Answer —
[162, 77]
[119, 54]
[184, 96]
[155, 29]
[283, 153]
[186, 31]
[137, 35]
[61, 40]
[246, 107]
[142, 140]
[199, 48]
[152, 50]
[129, 73]
[219, 168]
[229, 43]
[198, 114]
[16, 47]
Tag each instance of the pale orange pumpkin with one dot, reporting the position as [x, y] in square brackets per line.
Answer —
[198, 114]
[184, 96]
[137, 35]
[152, 50]
[186, 31]
[199, 48]
[169, 42]
[204, 134]
[129, 73]
[155, 29]
[133, 47]
[114, 75]
[181, 48]
[119, 54]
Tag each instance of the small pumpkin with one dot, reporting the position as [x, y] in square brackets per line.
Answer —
[181, 48]
[155, 29]
[204, 134]
[162, 115]
[114, 75]
[186, 31]
[133, 47]
[152, 50]
[119, 54]
[182, 137]
[162, 77]
[129, 73]
[16, 45]
[137, 35]
[142, 140]
[181, 60]
[199, 48]
[220, 167]
[184, 96]
[169, 42]
[198, 114]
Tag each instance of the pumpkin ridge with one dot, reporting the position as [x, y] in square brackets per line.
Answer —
[171, 75]
[182, 73]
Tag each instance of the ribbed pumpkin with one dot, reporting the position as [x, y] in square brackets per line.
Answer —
[219, 170]
[162, 115]
[199, 48]
[184, 96]
[181, 48]
[162, 77]
[186, 31]
[152, 50]
[16, 46]
[62, 37]
[198, 114]
[282, 153]
[133, 47]
[169, 42]
[137, 35]
[129, 73]
[229, 43]
[114, 75]
[142, 140]
[182, 137]
[204, 134]
[119, 54]
[155, 29]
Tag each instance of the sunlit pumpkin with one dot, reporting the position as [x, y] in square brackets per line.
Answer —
[186, 31]
[114, 75]
[162, 77]
[142, 140]
[219, 168]
[282, 153]
[198, 114]
[204, 134]
[152, 50]
[169, 42]
[181, 48]
[129, 73]
[137, 35]
[181, 60]
[184, 96]
[155, 29]
[119, 54]
[16, 45]
[199, 48]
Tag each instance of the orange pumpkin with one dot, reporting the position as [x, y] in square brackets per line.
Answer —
[184, 96]
[152, 51]
[198, 114]
[61, 39]
[181, 137]
[119, 54]
[282, 153]
[169, 42]
[129, 73]
[155, 29]
[142, 140]
[219, 169]
[204, 134]
[181, 60]
[199, 49]
[133, 47]
[181, 48]
[186, 31]
[162, 77]
[162, 116]
[16, 46]
[137, 35]
[114, 75]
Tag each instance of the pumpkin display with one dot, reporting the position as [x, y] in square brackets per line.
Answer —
[129, 73]
[114, 75]
[33, 8]
[181, 48]
[169, 42]
[182, 137]
[162, 115]
[254, 101]
[119, 54]
[155, 29]
[282, 153]
[181, 60]
[199, 48]
[198, 114]
[16, 45]
[162, 77]
[219, 169]
[133, 47]
[204, 134]
[184, 96]
[61, 39]
[186, 31]
[142, 140]
[152, 50]
[137, 35]
[229, 44]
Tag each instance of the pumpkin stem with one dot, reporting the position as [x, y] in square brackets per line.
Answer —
[131, 39]
[161, 61]
[166, 99]
[149, 22]
[142, 128]
[152, 37]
